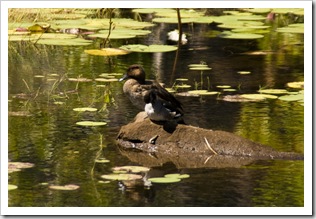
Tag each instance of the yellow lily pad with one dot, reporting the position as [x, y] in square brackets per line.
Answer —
[90, 123]
[65, 187]
[106, 52]
[83, 109]
[150, 49]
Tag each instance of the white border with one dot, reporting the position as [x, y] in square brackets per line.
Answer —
[307, 210]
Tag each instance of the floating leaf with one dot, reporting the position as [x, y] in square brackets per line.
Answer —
[229, 89]
[297, 85]
[122, 176]
[90, 123]
[106, 79]
[223, 86]
[202, 68]
[292, 97]
[173, 20]
[133, 169]
[17, 166]
[197, 65]
[273, 91]
[154, 10]
[83, 109]
[258, 97]
[106, 52]
[12, 187]
[80, 79]
[182, 79]
[150, 49]
[164, 180]
[65, 187]
[101, 160]
[244, 72]
[177, 175]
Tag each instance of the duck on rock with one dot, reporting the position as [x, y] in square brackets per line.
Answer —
[158, 103]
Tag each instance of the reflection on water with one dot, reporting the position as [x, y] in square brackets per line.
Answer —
[64, 153]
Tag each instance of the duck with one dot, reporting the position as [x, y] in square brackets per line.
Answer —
[150, 96]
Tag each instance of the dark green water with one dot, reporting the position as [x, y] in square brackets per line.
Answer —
[64, 153]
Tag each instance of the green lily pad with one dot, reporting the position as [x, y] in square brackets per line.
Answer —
[177, 175]
[297, 97]
[122, 176]
[17, 166]
[259, 10]
[273, 91]
[65, 187]
[106, 52]
[182, 79]
[118, 22]
[65, 42]
[204, 20]
[201, 68]
[150, 49]
[258, 97]
[291, 29]
[229, 89]
[173, 20]
[197, 65]
[244, 72]
[190, 13]
[90, 123]
[12, 187]
[106, 79]
[197, 91]
[164, 180]
[133, 169]
[223, 86]
[83, 109]
[80, 79]
[297, 85]
[101, 160]
[154, 10]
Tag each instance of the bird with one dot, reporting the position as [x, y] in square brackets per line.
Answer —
[158, 103]
[159, 109]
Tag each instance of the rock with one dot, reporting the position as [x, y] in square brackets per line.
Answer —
[153, 144]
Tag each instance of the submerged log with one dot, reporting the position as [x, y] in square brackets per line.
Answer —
[153, 144]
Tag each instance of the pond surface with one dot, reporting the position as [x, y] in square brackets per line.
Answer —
[44, 132]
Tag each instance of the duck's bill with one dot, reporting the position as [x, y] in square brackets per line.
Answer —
[123, 78]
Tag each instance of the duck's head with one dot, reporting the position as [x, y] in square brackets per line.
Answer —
[136, 72]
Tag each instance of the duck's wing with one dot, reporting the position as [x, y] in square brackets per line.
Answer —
[168, 100]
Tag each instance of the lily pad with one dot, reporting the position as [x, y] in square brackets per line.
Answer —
[17, 166]
[258, 97]
[297, 97]
[12, 187]
[172, 20]
[177, 175]
[154, 10]
[223, 86]
[65, 187]
[150, 49]
[202, 68]
[83, 109]
[291, 29]
[297, 85]
[106, 52]
[122, 176]
[90, 123]
[197, 65]
[133, 169]
[80, 79]
[102, 160]
[106, 79]
[244, 72]
[273, 91]
[164, 180]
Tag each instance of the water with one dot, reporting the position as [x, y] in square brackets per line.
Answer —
[64, 153]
